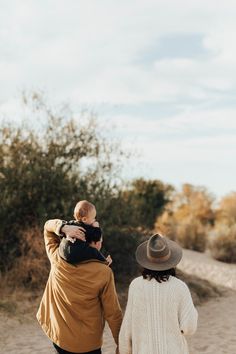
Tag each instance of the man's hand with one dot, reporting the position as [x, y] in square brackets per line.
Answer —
[73, 232]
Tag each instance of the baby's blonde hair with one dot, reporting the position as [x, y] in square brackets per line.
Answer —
[82, 209]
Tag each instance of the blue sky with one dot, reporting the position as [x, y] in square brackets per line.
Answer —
[162, 73]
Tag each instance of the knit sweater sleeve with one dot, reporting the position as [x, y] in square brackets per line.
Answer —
[125, 337]
[188, 315]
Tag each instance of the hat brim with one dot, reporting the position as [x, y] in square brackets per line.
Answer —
[175, 257]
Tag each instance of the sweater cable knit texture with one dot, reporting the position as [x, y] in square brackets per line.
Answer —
[156, 313]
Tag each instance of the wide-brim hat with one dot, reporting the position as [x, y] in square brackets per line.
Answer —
[158, 253]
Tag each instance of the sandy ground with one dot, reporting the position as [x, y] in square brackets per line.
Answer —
[205, 267]
[216, 332]
[17, 337]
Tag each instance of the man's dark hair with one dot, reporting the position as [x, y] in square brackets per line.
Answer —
[159, 275]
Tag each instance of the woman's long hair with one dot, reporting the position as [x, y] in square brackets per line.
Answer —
[159, 275]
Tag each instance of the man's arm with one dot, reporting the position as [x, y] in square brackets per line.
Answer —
[52, 229]
[111, 306]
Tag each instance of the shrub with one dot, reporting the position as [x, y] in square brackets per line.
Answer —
[32, 267]
[223, 246]
[147, 199]
[121, 244]
[166, 225]
[192, 235]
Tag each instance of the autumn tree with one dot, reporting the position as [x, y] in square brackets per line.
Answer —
[194, 202]
[188, 217]
[226, 212]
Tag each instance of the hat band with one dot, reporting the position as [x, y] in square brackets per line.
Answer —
[159, 259]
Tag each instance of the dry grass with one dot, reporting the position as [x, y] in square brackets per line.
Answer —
[30, 270]
[18, 301]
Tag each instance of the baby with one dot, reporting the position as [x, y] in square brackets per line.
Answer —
[75, 250]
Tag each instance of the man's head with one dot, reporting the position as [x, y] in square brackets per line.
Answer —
[93, 236]
[85, 211]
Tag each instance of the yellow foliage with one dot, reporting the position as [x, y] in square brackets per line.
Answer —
[227, 209]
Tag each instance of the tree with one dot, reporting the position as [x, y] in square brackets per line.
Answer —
[45, 170]
[194, 202]
[147, 199]
[188, 217]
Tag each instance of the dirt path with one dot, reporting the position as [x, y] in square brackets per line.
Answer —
[205, 267]
[217, 318]
[216, 327]
[26, 337]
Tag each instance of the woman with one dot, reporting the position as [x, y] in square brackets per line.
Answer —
[160, 311]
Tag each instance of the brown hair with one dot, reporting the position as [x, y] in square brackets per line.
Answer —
[82, 209]
[159, 275]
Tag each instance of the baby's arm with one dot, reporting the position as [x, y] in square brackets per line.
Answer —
[73, 232]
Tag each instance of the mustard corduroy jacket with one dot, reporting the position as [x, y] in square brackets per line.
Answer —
[77, 299]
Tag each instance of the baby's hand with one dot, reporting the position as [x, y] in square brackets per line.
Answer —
[109, 260]
[95, 224]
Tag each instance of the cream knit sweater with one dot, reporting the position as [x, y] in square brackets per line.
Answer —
[156, 313]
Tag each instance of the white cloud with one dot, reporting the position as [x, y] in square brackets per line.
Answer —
[93, 51]
[90, 48]
[187, 124]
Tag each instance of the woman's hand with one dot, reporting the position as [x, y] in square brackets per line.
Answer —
[73, 232]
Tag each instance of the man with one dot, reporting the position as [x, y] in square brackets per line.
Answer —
[77, 299]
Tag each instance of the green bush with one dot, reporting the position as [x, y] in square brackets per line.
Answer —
[147, 199]
[121, 244]
[223, 245]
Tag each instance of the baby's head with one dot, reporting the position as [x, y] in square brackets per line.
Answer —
[85, 212]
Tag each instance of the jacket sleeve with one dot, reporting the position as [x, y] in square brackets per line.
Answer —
[52, 231]
[188, 315]
[125, 337]
[111, 307]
